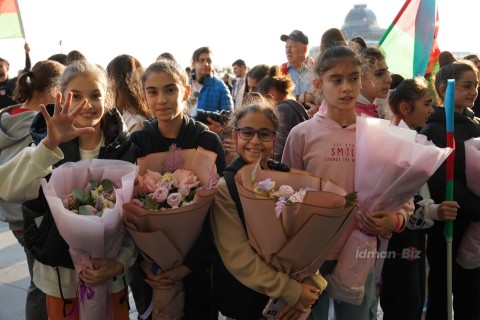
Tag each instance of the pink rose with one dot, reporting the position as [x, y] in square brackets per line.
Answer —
[185, 177]
[166, 183]
[184, 190]
[138, 202]
[160, 194]
[174, 199]
[148, 182]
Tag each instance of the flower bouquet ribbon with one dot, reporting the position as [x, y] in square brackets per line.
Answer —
[90, 236]
[165, 236]
[468, 253]
[297, 238]
[391, 165]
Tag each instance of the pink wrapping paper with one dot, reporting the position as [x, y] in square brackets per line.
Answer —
[391, 165]
[468, 254]
[91, 236]
[286, 244]
[165, 237]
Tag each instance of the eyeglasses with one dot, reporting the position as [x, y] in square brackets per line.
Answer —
[247, 133]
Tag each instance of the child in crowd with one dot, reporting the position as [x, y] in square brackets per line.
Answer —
[33, 88]
[243, 281]
[375, 81]
[279, 88]
[466, 283]
[83, 84]
[166, 89]
[402, 293]
[125, 74]
[309, 147]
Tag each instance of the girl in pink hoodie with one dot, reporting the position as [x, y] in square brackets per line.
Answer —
[325, 146]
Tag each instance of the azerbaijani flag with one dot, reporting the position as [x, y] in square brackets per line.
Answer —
[10, 20]
[410, 43]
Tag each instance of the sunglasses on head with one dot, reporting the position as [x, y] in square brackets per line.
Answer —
[247, 133]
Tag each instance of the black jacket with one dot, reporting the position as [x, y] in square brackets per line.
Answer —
[193, 134]
[44, 241]
[466, 126]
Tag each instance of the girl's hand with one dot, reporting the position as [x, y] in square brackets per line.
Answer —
[381, 223]
[308, 296]
[103, 270]
[60, 127]
[163, 280]
[214, 126]
[447, 210]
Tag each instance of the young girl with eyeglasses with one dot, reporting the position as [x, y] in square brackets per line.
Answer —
[242, 281]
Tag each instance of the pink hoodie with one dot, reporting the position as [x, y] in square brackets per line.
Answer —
[324, 148]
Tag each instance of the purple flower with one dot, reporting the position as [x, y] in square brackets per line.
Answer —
[266, 185]
[174, 199]
[160, 194]
[279, 205]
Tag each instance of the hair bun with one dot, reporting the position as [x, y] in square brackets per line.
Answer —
[445, 58]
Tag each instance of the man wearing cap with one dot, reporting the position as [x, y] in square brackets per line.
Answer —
[299, 66]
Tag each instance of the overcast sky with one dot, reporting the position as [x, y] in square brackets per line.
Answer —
[250, 29]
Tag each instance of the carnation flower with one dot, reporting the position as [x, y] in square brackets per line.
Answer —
[285, 191]
[266, 185]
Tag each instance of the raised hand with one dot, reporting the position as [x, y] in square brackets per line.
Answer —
[60, 127]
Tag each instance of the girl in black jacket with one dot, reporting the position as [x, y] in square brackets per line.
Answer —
[166, 90]
[466, 283]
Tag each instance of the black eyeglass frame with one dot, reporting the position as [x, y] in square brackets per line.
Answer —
[256, 132]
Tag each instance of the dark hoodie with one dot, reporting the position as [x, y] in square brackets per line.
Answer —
[466, 126]
[193, 134]
[48, 243]
[466, 289]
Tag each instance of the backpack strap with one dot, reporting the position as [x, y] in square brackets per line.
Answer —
[232, 188]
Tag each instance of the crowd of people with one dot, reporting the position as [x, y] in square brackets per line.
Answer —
[66, 109]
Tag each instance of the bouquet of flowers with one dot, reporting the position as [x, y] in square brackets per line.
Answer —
[398, 162]
[188, 177]
[315, 214]
[91, 236]
[468, 256]
[91, 200]
[166, 191]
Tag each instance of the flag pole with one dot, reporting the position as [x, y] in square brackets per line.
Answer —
[20, 20]
[448, 227]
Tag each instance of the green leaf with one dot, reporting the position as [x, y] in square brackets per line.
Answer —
[151, 204]
[351, 199]
[85, 211]
[107, 185]
[80, 196]
[254, 171]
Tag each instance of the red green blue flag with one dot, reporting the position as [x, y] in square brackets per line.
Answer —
[10, 20]
[409, 43]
